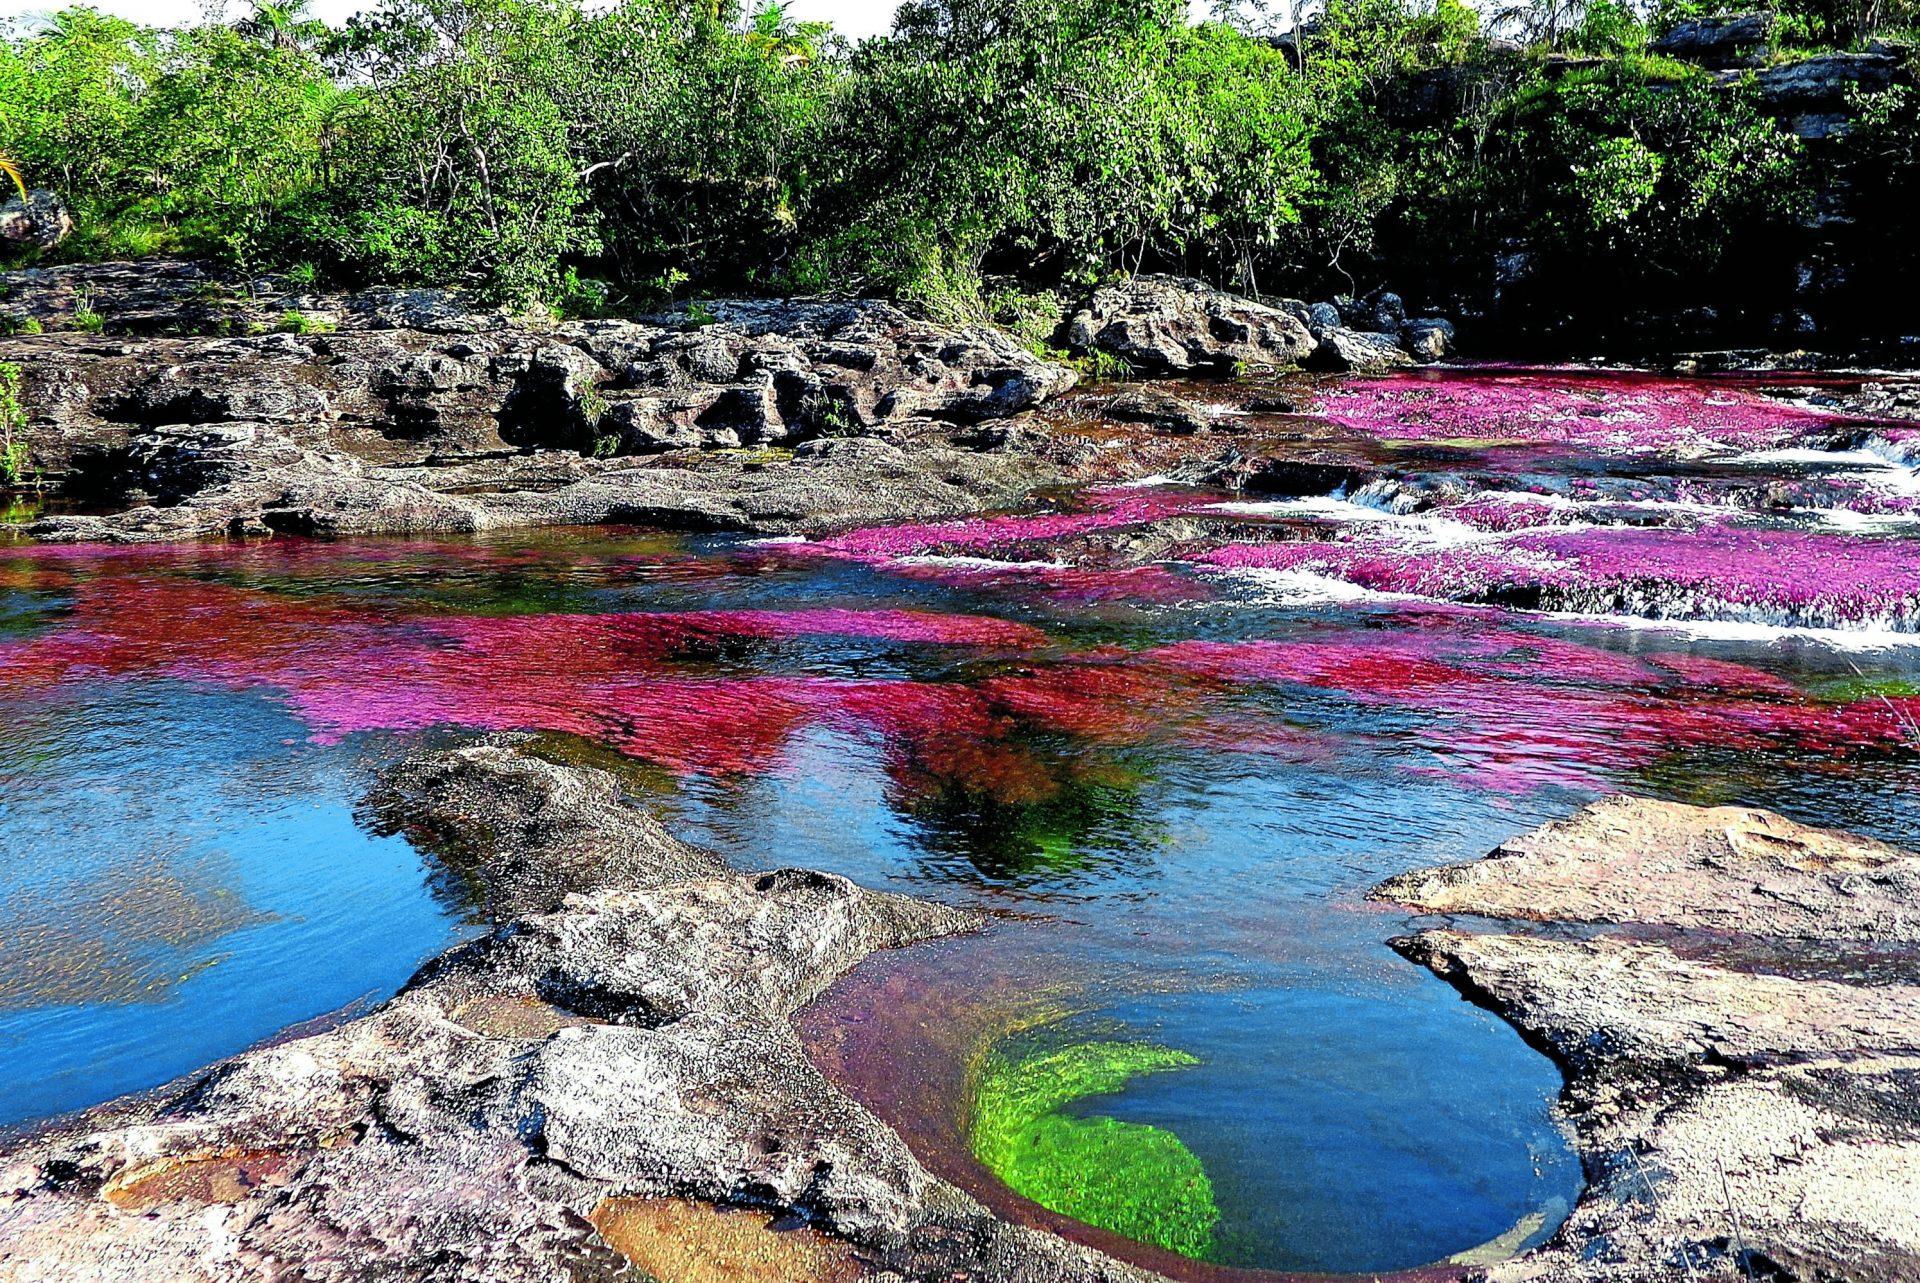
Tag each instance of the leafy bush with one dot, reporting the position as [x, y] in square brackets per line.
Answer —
[16, 465]
[607, 157]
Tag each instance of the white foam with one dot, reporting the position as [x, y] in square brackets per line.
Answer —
[1847, 521]
[978, 563]
[1847, 639]
[1327, 506]
[1808, 454]
[1299, 587]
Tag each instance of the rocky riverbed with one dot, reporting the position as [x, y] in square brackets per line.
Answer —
[1738, 1016]
[170, 401]
[610, 1080]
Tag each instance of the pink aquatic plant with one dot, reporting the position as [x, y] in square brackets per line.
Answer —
[1599, 411]
[1493, 703]
[1108, 509]
[1719, 572]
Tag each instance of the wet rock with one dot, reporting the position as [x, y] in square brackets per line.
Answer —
[1740, 1089]
[40, 221]
[1323, 316]
[1172, 325]
[528, 832]
[652, 1059]
[1158, 410]
[1729, 40]
[1357, 352]
[334, 495]
[1427, 338]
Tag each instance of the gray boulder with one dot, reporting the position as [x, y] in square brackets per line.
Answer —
[41, 221]
[1730, 40]
[1173, 325]
[1323, 316]
[1347, 351]
[1386, 312]
[1427, 338]
[1159, 410]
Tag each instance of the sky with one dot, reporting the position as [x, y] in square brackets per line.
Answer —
[849, 17]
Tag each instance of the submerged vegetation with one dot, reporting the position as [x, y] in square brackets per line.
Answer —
[1136, 1180]
[603, 158]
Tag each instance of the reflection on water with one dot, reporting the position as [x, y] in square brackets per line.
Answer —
[1172, 783]
[180, 876]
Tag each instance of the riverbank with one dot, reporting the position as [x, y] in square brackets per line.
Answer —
[1474, 588]
[177, 402]
[1736, 1016]
[611, 1075]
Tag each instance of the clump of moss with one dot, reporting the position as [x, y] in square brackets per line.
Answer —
[1131, 1178]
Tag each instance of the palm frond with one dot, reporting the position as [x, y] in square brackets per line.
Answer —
[12, 170]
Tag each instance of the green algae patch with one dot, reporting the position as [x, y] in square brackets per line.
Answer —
[1131, 1178]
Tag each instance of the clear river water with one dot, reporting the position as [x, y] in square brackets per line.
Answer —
[1167, 735]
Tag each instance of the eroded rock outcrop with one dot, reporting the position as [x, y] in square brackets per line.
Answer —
[281, 489]
[418, 411]
[1813, 95]
[1741, 1050]
[1173, 325]
[1721, 41]
[35, 219]
[623, 1044]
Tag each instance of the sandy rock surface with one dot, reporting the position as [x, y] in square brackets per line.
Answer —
[1742, 1045]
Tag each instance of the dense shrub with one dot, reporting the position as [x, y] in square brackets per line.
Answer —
[608, 156]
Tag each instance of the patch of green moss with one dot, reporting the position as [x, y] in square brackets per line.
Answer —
[1131, 1178]
[1854, 689]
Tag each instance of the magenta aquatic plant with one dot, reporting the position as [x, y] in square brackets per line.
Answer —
[700, 692]
[1108, 509]
[1716, 572]
[1593, 410]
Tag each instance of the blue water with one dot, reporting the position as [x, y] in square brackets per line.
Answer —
[182, 872]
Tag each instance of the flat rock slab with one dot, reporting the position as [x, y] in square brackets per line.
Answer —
[1725, 868]
[1743, 1108]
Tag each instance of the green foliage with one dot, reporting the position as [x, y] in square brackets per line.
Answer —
[85, 318]
[1060, 138]
[16, 463]
[608, 157]
[454, 164]
[1609, 29]
[1030, 316]
[1133, 1179]
[1882, 151]
[297, 322]
[190, 140]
